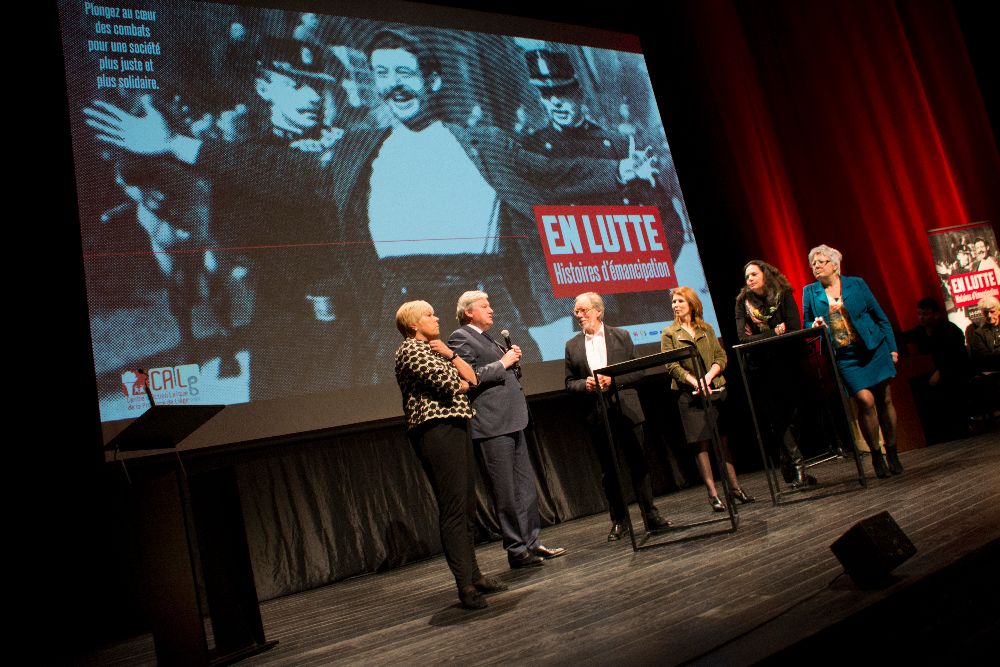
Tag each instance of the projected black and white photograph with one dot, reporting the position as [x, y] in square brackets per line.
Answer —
[260, 190]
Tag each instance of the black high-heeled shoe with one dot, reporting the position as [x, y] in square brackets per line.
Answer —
[717, 504]
[892, 458]
[878, 463]
[741, 496]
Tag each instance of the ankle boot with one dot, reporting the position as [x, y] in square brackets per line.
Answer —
[801, 478]
[792, 464]
[788, 472]
[878, 462]
[892, 456]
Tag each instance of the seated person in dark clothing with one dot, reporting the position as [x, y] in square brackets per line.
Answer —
[934, 335]
[984, 348]
[939, 393]
[984, 337]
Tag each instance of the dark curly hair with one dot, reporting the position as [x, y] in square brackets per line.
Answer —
[775, 283]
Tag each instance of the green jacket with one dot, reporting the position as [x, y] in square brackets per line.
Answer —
[708, 346]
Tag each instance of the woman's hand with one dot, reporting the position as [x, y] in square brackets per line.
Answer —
[819, 322]
[441, 348]
[780, 329]
[693, 381]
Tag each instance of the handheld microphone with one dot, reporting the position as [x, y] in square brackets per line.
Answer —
[517, 365]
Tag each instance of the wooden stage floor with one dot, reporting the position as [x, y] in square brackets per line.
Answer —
[772, 591]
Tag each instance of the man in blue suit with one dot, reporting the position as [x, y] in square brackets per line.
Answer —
[498, 430]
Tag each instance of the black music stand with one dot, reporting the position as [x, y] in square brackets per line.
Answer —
[819, 340]
[639, 364]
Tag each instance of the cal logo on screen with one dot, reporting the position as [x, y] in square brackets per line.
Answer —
[606, 249]
[171, 385]
[968, 288]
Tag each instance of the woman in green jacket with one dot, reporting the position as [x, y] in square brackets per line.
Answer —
[689, 326]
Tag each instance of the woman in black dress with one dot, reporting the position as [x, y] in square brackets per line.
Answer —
[690, 328]
[765, 307]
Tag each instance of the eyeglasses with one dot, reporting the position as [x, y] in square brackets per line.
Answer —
[582, 311]
[820, 262]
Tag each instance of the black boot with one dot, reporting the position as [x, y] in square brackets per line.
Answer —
[789, 472]
[801, 477]
[892, 456]
[878, 462]
[794, 468]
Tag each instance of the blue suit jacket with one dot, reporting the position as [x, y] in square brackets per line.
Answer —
[867, 316]
[498, 399]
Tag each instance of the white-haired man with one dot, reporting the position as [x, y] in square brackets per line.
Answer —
[597, 346]
[498, 430]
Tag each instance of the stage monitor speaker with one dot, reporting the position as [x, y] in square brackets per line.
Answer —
[872, 548]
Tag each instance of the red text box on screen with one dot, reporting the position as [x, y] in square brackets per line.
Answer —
[968, 288]
[606, 249]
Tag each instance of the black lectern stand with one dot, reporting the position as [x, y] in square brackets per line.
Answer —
[163, 427]
[640, 364]
[194, 546]
[803, 361]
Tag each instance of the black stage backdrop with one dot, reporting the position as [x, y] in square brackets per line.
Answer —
[329, 507]
[77, 505]
[325, 510]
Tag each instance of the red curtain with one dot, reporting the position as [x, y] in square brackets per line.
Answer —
[858, 124]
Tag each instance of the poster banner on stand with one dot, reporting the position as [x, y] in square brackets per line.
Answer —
[968, 267]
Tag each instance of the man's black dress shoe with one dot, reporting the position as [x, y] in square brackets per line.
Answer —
[547, 553]
[654, 521]
[472, 599]
[618, 531]
[524, 559]
[490, 585]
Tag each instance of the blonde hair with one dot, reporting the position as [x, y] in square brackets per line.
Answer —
[409, 314]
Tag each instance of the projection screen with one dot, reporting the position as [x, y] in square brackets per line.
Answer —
[259, 190]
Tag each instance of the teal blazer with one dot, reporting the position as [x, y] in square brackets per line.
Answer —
[866, 315]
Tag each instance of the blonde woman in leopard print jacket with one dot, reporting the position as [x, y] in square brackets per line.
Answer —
[434, 382]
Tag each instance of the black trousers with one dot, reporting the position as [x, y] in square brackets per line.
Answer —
[628, 438]
[445, 452]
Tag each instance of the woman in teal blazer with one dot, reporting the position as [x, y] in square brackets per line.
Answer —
[864, 347]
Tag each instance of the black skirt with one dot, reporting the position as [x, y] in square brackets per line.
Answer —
[694, 416]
